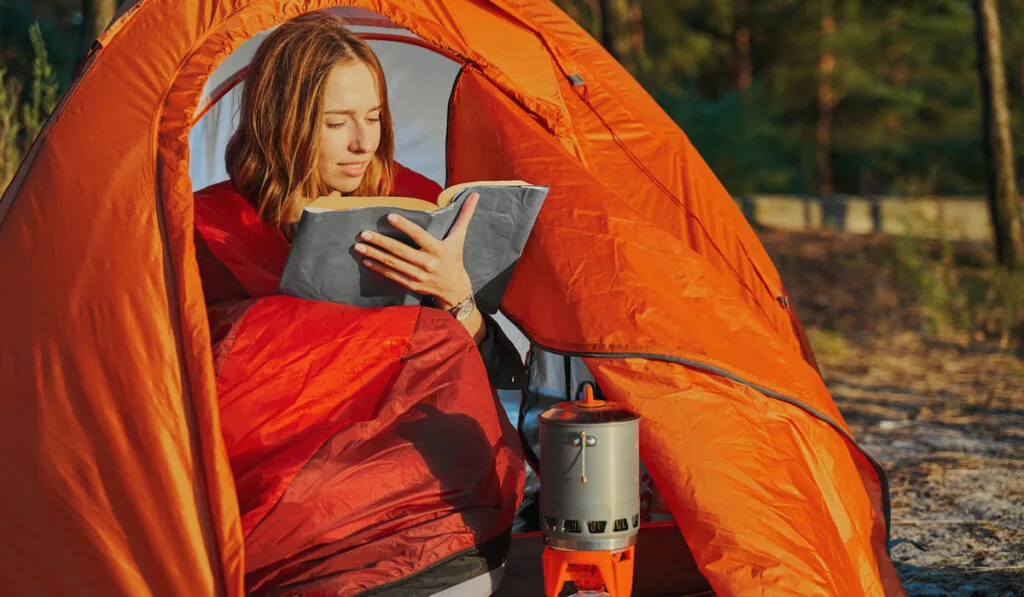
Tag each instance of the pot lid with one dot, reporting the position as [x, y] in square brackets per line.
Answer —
[586, 411]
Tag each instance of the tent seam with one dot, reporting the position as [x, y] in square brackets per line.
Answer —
[158, 119]
[693, 364]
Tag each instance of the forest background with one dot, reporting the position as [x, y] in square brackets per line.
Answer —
[779, 96]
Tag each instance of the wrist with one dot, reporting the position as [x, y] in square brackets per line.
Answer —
[463, 309]
[449, 304]
[447, 301]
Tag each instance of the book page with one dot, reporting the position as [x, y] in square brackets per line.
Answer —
[449, 194]
[337, 201]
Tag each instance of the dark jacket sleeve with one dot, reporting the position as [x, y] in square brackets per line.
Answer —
[504, 365]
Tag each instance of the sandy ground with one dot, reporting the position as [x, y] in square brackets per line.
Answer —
[945, 418]
[947, 424]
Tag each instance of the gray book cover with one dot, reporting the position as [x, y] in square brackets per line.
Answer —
[322, 264]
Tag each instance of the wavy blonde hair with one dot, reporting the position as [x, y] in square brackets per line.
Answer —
[272, 157]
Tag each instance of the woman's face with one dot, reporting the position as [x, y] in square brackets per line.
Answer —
[350, 126]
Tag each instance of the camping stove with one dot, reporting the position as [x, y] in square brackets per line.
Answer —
[590, 495]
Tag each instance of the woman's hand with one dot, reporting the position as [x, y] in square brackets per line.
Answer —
[435, 269]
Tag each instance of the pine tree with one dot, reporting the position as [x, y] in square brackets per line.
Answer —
[1004, 202]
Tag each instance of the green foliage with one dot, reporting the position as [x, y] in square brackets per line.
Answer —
[829, 345]
[906, 116]
[43, 96]
[58, 23]
[20, 122]
[10, 152]
[957, 293]
[744, 137]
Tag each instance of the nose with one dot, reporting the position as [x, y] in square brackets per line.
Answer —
[360, 142]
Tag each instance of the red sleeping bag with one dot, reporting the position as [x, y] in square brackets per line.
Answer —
[366, 444]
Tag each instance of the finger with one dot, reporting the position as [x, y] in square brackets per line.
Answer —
[409, 270]
[420, 236]
[397, 247]
[392, 274]
[461, 226]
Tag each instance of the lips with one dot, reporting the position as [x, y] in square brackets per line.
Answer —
[353, 168]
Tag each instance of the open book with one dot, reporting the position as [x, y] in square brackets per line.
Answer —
[322, 264]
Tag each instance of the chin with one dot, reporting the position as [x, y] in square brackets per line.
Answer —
[345, 185]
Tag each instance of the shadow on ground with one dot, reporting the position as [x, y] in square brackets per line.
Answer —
[952, 582]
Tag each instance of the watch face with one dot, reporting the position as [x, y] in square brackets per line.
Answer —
[464, 311]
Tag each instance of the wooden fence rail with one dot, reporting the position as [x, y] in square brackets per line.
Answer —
[952, 218]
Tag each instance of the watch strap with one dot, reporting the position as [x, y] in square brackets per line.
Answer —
[454, 310]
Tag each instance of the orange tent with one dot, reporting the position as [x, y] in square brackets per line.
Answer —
[115, 476]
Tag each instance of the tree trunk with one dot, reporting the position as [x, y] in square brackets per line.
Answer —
[637, 37]
[897, 71]
[744, 68]
[826, 101]
[96, 15]
[615, 31]
[1004, 203]
[105, 10]
[595, 24]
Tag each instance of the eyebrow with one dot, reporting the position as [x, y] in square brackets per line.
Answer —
[349, 112]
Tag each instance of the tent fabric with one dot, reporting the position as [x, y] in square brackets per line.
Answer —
[640, 263]
[682, 406]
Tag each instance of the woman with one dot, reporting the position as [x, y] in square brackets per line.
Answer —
[366, 445]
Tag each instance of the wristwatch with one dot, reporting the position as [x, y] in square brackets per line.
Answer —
[463, 309]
